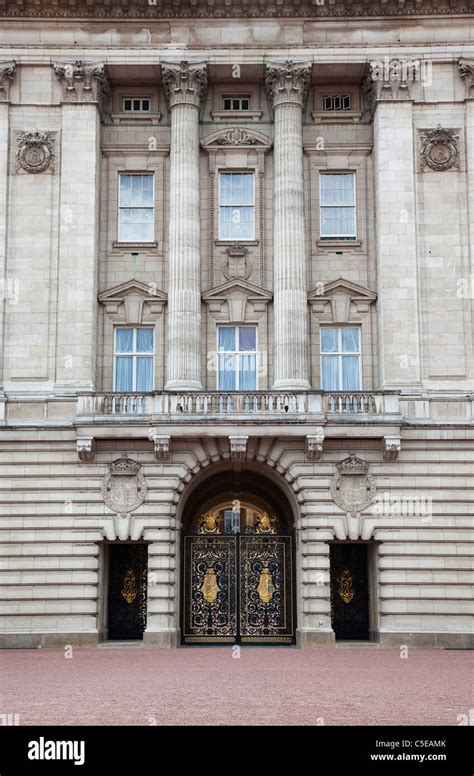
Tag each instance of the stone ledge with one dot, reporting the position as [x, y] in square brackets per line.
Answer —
[36, 640]
[161, 639]
[391, 640]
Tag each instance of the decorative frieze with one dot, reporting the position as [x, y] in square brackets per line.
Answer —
[352, 486]
[224, 9]
[439, 148]
[314, 445]
[85, 448]
[184, 83]
[35, 151]
[391, 446]
[85, 82]
[7, 74]
[238, 447]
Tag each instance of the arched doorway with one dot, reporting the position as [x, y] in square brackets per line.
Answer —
[237, 562]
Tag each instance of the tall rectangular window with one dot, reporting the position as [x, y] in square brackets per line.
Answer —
[340, 358]
[337, 205]
[236, 206]
[136, 208]
[134, 359]
[237, 358]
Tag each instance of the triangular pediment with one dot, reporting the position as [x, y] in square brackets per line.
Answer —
[342, 286]
[148, 290]
[236, 286]
[236, 137]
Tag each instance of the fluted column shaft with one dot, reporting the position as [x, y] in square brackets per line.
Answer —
[287, 86]
[185, 86]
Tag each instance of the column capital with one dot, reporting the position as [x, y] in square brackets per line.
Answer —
[7, 74]
[84, 82]
[387, 79]
[184, 83]
[287, 82]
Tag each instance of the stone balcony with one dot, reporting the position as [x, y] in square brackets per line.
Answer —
[205, 406]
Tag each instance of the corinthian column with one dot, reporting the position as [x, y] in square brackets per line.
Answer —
[185, 86]
[287, 86]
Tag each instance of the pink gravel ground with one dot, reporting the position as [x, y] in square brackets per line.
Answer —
[204, 686]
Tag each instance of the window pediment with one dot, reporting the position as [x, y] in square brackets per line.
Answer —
[237, 295]
[236, 138]
[133, 301]
[341, 299]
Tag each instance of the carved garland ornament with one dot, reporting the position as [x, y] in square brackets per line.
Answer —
[35, 151]
[352, 487]
[124, 487]
[439, 148]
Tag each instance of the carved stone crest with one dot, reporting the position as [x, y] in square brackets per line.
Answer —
[439, 148]
[124, 487]
[237, 265]
[352, 487]
[35, 151]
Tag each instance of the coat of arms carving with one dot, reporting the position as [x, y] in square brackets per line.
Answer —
[124, 487]
[352, 487]
[439, 148]
[35, 151]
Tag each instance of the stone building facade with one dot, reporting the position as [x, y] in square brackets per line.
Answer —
[237, 270]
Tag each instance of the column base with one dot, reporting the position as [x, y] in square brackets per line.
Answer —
[183, 385]
[307, 639]
[291, 385]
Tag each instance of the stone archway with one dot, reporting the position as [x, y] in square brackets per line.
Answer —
[237, 560]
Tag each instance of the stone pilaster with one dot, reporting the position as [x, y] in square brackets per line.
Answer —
[185, 85]
[85, 96]
[7, 73]
[287, 86]
[466, 71]
[387, 97]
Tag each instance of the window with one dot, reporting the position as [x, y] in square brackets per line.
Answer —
[136, 105]
[337, 102]
[236, 206]
[134, 358]
[236, 102]
[136, 208]
[340, 359]
[337, 206]
[237, 358]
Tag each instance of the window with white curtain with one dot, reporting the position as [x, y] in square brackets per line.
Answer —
[134, 359]
[136, 208]
[337, 205]
[236, 206]
[340, 358]
[237, 358]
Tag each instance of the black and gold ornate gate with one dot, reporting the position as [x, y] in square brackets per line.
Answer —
[349, 591]
[127, 590]
[237, 587]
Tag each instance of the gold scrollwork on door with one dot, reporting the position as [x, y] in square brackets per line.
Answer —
[210, 587]
[346, 590]
[265, 587]
[130, 587]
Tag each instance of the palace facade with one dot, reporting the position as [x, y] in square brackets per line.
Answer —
[237, 274]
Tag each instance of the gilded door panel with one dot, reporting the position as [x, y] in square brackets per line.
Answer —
[349, 591]
[266, 597]
[127, 590]
[209, 589]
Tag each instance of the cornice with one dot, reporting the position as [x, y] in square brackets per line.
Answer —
[222, 9]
